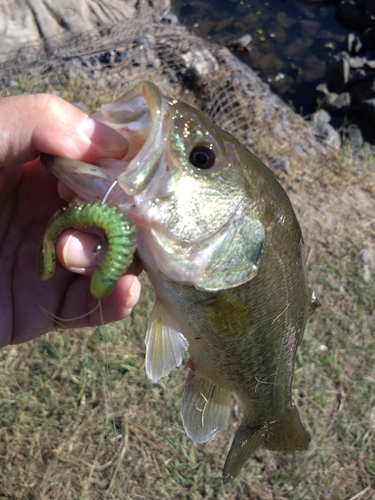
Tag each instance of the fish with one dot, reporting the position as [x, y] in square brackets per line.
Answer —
[223, 249]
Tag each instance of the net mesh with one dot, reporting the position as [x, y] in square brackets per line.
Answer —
[151, 46]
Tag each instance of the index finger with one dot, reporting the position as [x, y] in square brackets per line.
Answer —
[44, 123]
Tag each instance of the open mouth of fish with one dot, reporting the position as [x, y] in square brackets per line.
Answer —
[142, 118]
[144, 185]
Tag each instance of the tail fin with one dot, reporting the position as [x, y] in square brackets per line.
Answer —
[246, 441]
[287, 434]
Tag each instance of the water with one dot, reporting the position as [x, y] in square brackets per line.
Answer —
[291, 41]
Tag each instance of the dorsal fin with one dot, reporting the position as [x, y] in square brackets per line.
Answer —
[314, 303]
[165, 344]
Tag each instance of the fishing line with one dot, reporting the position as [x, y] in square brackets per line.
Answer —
[58, 320]
[119, 255]
[106, 388]
[109, 191]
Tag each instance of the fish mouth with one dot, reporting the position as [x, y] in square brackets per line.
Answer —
[142, 117]
[147, 104]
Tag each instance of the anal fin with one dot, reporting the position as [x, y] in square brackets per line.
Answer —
[205, 408]
[165, 344]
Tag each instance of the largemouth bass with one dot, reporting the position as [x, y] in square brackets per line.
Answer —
[220, 242]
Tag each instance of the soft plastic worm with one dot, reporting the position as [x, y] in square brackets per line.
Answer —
[119, 233]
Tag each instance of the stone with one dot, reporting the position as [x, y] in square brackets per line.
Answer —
[121, 55]
[321, 116]
[354, 43]
[325, 133]
[357, 75]
[166, 17]
[172, 74]
[278, 128]
[298, 148]
[202, 61]
[8, 81]
[349, 14]
[367, 255]
[336, 103]
[108, 57]
[316, 145]
[74, 62]
[96, 74]
[322, 90]
[340, 103]
[281, 164]
[357, 62]
[353, 136]
[245, 40]
[367, 108]
[308, 27]
[338, 70]
[144, 56]
[145, 40]
[361, 90]
[284, 120]
[370, 7]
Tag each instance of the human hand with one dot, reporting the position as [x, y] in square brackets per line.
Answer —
[31, 125]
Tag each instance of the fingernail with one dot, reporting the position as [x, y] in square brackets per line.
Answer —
[74, 256]
[103, 136]
[127, 312]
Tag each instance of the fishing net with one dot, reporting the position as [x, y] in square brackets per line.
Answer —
[152, 45]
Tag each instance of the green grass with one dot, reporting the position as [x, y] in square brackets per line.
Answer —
[79, 419]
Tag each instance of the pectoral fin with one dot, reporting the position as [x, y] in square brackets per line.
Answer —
[286, 434]
[205, 408]
[165, 344]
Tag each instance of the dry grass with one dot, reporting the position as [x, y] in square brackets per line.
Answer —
[59, 394]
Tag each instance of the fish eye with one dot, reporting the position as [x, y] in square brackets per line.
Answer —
[202, 157]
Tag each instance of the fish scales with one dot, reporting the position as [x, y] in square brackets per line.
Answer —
[221, 244]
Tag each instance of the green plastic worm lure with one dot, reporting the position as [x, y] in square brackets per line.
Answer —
[119, 233]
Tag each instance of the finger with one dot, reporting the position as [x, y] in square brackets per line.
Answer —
[44, 123]
[118, 305]
[65, 192]
[76, 250]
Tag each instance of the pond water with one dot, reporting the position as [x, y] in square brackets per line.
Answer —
[291, 40]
